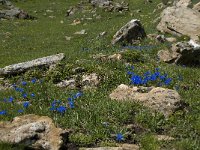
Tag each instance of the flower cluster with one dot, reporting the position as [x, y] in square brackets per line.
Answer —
[58, 106]
[147, 77]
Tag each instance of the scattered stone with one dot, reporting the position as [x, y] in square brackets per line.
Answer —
[37, 132]
[171, 39]
[52, 17]
[11, 12]
[180, 21]
[160, 38]
[82, 32]
[101, 34]
[197, 7]
[68, 38]
[102, 57]
[160, 99]
[24, 66]
[130, 33]
[184, 53]
[71, 11]
[110, 6]
[90, 81]
[76, 22]
[120, 147]
[67, 83]
[164, 138]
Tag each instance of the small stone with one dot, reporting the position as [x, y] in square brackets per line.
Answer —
[68, 38]
[82, 32]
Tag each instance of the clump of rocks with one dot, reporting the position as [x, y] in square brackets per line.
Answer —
[11, 12]
[183, 53]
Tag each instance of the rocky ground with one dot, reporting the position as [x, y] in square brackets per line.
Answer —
[100, 74]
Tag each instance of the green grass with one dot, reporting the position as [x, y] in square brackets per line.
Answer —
[23, 40]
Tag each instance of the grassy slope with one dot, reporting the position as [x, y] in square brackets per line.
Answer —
[45, 36]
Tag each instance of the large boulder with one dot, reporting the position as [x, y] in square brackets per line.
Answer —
[180, 21]
[130, 32]
[34, 131]
[24, 66]
[184, 53]
[160, 99]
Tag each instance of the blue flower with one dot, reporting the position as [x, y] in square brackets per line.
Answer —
[70, 99]
[79, 94]
[26, 104]
[136, 80]
[10, 100]
[3, 112]
[119, 137]
[32, 95]
[61, 109]
[20, 111]
[34, 80]
[167, 81]
[153, 77]
[24, 95]
[71, 104]
[24, 83]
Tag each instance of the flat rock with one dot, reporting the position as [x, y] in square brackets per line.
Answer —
[160, 99]
[184, 53]
[130, 32]
[35, 131]
[180, 21]
[120, 147]
[24, 66]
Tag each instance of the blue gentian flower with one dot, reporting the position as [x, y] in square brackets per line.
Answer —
[71, 104]
[61, 109]
[167, 81]
[24, 83]
[32, 95]
[119, 137]
[20, 111]
[10, 100]
[79, 94]
[34, 80]
[3, 112]
[26, 104]
[24, 95]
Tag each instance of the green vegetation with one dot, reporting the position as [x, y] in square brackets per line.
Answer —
[95, 117]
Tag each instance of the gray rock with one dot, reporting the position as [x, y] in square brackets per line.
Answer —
[160, 99]
[67, 83]
[13, 12]
[180, 21]
[35, 131]
[184, 53]
[90, 81]
[109, 5]
[24, 66]
[130, 32]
